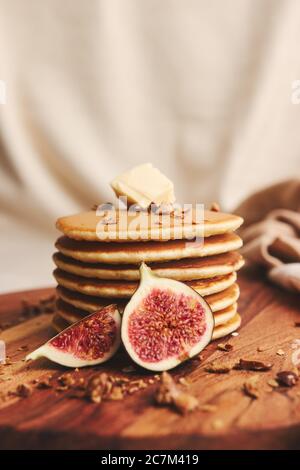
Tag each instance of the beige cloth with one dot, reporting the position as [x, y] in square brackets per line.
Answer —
[201, 88]
[271, 232]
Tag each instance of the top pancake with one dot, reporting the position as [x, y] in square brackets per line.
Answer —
[141, 226]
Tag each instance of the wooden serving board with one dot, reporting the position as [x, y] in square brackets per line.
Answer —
[49, 419]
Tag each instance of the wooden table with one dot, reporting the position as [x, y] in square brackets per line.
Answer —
[47, 419]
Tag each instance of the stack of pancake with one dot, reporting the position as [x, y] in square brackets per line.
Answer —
[92, 273]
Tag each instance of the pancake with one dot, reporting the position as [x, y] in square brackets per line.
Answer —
[69, 313]
[223, 316]
[181, 270]
[229, 327]
[59, 324]
[136, 252]
[90, 303]
[141, 226]
[224, 298]
[72, 314]
[125, 289]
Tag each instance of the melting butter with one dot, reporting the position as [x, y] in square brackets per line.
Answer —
[143, 185]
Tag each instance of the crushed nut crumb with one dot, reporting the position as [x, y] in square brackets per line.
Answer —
[250, 387]
[62, 388]
[43, 384]
[116, 393]
[225, 347]
[273, 383]
[287, 378]
[23, 390]
[168, 393]
[183, 381]
[66, 380]
[244, 364]
[218, 368]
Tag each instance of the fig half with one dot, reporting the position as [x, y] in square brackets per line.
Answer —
[165, 323]
[90, 341]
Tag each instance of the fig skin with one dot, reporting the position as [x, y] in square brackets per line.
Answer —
[148, 283]
[54, 348]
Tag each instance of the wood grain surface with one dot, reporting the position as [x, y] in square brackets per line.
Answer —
[49, 419]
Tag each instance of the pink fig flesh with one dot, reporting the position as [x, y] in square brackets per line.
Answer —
[92, 340]
[165, 323]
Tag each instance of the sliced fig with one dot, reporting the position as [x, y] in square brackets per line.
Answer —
[165, 322]
[90, 341]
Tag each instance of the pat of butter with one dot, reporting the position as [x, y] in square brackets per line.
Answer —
[143, 185]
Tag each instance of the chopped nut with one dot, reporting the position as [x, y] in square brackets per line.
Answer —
[116, 393]
[168, 393]
[98, 386]
[280, 352]
[95, 396]
[142, 384]
[261, 349]
[43, 384]
[287, 378]
[225, 347]
[250, 387]
[235, 333]
[253, 365]
[185, 402]
[81, 383]
[23, 390]
[273, 383]
[218, 368]
[66, 380]
[183, 381]
[62, 388]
